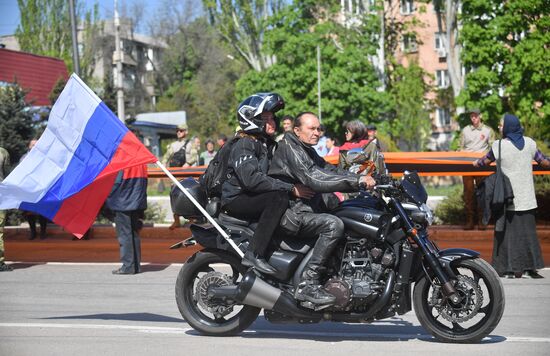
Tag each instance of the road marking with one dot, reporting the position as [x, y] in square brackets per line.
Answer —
[157, 329]
[184, 331]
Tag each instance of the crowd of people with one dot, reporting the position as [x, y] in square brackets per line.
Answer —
[278, 180]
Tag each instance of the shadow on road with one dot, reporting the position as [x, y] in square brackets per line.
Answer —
[153, 268]
[23, 265]
[385, 330]
[125, 317]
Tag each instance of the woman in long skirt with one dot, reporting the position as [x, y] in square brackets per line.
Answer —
[516, 250]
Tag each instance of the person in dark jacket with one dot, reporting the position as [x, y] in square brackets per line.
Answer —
[296, 162]
[250, 193]
[128, 200]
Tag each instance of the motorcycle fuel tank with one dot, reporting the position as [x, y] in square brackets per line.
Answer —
[364, 222]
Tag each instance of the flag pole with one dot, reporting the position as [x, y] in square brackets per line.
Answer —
[201, 209]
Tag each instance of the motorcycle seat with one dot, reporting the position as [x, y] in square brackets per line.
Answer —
[231, 220]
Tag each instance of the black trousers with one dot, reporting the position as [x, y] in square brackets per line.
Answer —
[267, 208]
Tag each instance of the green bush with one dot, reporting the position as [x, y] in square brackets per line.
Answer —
[451, 210]
[154, 214]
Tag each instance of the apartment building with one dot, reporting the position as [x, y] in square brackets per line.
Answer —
[422, 44]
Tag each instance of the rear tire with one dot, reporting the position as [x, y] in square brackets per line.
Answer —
[481, 309]
[187, 297]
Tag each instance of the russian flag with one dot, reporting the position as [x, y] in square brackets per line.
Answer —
[70, 171]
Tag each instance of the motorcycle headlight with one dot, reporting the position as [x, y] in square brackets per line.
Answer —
[429, 214]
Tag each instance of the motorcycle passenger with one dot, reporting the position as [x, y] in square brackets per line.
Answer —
[249, 193]
[296, 161]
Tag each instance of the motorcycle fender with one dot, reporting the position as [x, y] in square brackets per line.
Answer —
[184, 243]
[448, 256]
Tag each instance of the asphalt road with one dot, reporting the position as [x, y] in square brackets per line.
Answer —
[82, 309]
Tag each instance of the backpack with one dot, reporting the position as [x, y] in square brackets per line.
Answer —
[178, 158]
[216, 172]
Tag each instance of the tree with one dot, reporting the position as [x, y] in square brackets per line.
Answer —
[16, 127]
[410, 122]
[349, 81]
[448, 23]
[45, 29]
[243, 23]
[199, 76]
[507, 61]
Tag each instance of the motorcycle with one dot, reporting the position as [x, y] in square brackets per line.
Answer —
[457, 296]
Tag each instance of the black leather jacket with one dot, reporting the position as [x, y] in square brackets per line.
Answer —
[249, 162]
[295, 162]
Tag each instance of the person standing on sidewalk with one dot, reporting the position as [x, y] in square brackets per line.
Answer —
[4, 164]
[128, 200]
[476, 137]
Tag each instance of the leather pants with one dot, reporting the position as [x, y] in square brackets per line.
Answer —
[329, 229]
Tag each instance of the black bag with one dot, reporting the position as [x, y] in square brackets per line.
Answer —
[500, 195]
[178, 158]
[216, 172]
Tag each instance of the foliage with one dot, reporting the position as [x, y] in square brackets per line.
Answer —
[154, 214]
[507, 61]
[45, 29]
[242, 23]
[200, 75]
[410, 120]
[451, 210]
[16, 127]
[348, 80]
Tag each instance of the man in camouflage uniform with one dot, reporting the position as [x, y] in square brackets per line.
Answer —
[476, 137]
[4, 164]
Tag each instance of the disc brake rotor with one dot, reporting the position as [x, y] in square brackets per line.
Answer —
[471, 300]
[212, 280]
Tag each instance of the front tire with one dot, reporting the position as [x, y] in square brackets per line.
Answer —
[479, 311]
[207, 317]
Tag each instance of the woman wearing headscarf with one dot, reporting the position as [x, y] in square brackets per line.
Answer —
[516, 250]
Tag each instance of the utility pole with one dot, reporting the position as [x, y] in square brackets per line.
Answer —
[118, 60]
[319, 80]
[76, 61]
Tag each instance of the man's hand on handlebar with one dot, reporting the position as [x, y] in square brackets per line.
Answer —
[302, 191]
[368, 182]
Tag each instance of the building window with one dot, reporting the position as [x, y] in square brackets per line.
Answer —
[443, 117]
[407, 7]
[442, 78]
[439, 37]
[409, 43]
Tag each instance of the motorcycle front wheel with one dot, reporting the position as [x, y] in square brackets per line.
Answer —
[204, 270]
[477, 314]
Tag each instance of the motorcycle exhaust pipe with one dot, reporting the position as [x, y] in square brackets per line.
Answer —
[257, 293]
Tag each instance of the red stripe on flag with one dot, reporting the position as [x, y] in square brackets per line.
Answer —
[78, 212]
[130, 153]
[135, 172]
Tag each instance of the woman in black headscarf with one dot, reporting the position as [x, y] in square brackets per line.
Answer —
[516, 250]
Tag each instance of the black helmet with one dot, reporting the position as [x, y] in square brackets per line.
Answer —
[181, 205]
[250, 110]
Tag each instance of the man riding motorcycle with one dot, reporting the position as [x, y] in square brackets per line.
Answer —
[296, 161]
[249, 193]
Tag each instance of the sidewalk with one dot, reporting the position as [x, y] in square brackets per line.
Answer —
[59, 246]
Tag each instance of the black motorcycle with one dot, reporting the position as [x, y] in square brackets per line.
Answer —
[457, 296]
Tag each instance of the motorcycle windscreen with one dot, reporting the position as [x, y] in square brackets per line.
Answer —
[413, 188]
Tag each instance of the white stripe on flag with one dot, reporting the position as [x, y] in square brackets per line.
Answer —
[51, 155]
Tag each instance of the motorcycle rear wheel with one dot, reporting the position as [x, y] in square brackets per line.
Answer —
[219, 266]
[471, 320]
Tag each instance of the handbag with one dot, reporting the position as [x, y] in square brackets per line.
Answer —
[502, 192]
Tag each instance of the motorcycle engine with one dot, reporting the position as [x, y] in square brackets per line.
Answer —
[358, 282]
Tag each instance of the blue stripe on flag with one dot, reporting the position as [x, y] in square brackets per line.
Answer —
[100, 140]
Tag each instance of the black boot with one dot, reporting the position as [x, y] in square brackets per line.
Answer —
[311, 290]
[252, 260]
